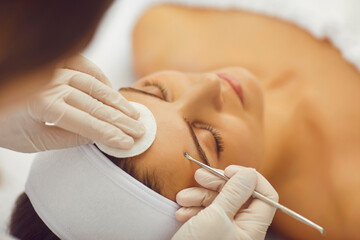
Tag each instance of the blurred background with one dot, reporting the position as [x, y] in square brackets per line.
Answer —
[111, 50]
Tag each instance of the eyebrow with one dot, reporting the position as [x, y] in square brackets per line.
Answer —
[199, 149]
[197, 144]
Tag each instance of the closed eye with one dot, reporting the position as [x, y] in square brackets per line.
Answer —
[164, 92]
[216, 134]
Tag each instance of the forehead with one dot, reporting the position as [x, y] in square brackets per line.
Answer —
[168, 75]
[165, 157]
[178, 78]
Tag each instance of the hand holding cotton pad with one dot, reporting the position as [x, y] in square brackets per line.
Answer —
[140, 144]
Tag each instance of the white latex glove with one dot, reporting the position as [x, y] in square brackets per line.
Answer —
[225, 210]
[83, 107]
[6, 237]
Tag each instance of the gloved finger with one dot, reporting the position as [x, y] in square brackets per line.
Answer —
[103, 93]
[86, 103]
[209, 180]
[82, 64]
[79, 122]
[195, 197]
[236, 191]
[54, 136]
[258, 211]
[185, 213]
[263, 186]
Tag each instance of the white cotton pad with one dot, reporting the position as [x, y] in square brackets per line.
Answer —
[141, 144]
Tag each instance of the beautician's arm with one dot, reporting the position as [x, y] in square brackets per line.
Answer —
[83, 107]
[225, 210]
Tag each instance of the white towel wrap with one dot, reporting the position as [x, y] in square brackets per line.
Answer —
[80, 194]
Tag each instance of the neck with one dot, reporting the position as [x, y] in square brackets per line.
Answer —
[278, 127]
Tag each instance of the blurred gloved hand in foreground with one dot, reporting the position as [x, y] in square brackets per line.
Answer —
[225, 210]
[83, 107]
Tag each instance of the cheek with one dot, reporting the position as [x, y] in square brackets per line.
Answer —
[164, 161]
[165, 158]
[176, 170]
[244, 147]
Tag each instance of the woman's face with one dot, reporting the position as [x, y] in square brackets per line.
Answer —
[201, 114]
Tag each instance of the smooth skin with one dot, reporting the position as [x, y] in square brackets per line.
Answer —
[201, 99]
[311, 103]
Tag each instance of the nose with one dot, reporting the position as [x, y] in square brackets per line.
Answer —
[202, 97]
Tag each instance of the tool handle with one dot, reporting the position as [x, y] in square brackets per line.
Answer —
[288, 211]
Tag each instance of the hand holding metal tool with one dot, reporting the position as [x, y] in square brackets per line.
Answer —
[225, 210]
[261, 197]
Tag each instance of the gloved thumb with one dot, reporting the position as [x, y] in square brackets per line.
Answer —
[236, 191]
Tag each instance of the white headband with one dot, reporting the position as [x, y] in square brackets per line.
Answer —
[80, 194]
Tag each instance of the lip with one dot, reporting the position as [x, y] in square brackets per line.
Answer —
[234, 83]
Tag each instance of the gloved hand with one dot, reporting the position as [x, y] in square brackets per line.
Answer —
[225, 210]
[83, 107]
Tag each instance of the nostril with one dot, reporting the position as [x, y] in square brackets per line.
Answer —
[212, 82]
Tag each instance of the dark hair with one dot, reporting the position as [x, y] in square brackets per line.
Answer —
[36, 33]
[25, 224]
[144, 175]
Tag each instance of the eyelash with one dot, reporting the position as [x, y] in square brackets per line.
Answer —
[163, 90]
[217, 136]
